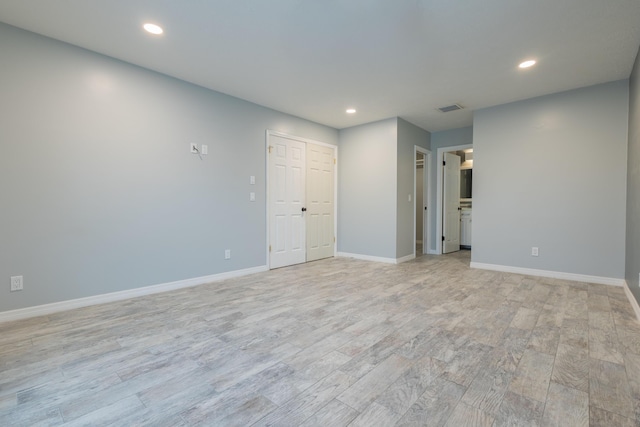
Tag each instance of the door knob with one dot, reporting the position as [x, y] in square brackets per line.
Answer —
[304, 209]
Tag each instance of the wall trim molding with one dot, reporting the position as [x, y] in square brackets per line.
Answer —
[406, 258]
[45, 309]
[632, 300]
[376, 258]
[552, 274]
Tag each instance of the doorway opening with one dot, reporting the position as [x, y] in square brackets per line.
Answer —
[450, 204]
[422, 198]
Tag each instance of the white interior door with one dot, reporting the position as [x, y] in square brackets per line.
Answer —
[287, 170]
[320, 208]
[451, 203]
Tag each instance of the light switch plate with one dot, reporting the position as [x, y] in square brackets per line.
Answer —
[252, 180]
[16, 283]
[252, 197]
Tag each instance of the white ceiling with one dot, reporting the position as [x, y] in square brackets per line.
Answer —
[315, 58]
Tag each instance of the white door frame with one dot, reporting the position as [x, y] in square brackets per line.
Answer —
[439, 184]
[269, 133]
[426, 198]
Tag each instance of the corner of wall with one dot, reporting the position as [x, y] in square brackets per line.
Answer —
[632, 243]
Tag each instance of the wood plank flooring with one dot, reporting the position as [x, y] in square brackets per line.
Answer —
[335, 342]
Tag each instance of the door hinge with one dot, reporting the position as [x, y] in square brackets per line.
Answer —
[334, 161]
[443, 238]
[334, 240]
[270, 147]
[443, 162]
[269, 248]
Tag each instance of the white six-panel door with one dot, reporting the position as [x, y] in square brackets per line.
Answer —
[287, 187]
[320, 208]
[451, 203]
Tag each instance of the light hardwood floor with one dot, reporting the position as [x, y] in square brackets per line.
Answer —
[333, 343]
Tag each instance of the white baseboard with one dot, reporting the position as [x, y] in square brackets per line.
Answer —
[405, 258]
[376, 258]
[552, 274]
[433, 252]
[632, 300]
[42, 310]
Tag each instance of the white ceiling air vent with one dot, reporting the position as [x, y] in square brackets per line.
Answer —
[448, 108]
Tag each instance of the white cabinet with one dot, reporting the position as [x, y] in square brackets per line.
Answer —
[465, 228]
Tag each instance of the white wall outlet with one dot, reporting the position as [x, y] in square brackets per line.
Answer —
[227, 254]
[194, 148]
[252, 197]
[16, 283]
[205, 149]
[409, 198]
[252, 180]
[534, 251]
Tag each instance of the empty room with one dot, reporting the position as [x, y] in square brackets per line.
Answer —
[305, 213]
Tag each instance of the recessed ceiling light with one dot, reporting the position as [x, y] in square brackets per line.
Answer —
[153, 28]
[527, 64]
[351, 110]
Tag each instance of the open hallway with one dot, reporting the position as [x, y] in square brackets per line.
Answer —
[334, 342]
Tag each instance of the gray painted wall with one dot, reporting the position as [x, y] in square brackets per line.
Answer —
[409, 136]
[551, 172]
[367, 170]
[98, 190]
[633, 184]
[446, 138]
